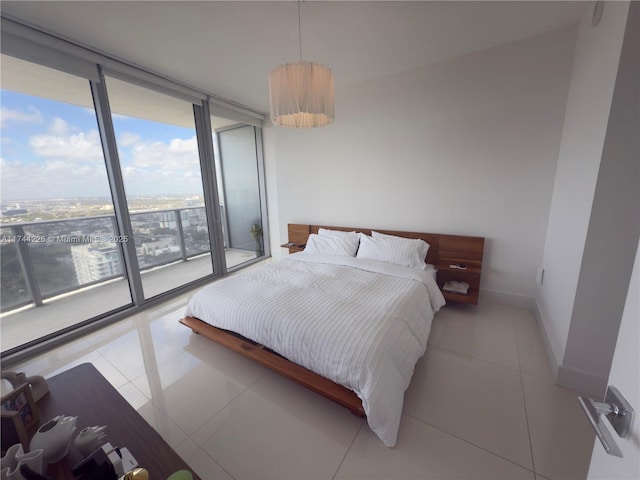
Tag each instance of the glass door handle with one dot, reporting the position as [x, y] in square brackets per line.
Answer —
[618, 412]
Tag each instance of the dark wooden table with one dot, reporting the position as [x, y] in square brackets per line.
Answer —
[82, 391]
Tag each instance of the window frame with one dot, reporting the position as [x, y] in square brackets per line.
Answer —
[36, 46]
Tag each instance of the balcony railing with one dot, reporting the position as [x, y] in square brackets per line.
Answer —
[44, 259]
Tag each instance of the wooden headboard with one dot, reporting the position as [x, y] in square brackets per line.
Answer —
[444, 250]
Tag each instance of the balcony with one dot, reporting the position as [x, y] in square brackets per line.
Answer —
[58, 273]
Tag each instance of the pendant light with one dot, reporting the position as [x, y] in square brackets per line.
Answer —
[301, 93]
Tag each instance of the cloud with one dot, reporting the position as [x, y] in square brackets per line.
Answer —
[56, 165]
[126, 139]
[188, 146]
[134, 174]
[58, 127]
[178, 154]
[53, 178]
[156, 167]
[82, 146]
[7, 116]
[68, 162]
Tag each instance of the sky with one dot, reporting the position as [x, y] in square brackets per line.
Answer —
[50, 149]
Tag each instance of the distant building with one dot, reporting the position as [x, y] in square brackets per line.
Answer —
[95, 262]
[159, 247]
[166, 219]
[197, 217]
[14, 212]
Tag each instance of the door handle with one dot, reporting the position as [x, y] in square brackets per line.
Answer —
[619, 413]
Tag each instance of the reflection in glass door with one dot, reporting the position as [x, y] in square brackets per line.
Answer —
[239, 190]
[158, 151]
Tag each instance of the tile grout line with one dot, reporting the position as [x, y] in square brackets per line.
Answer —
[484, 449]
[222, 408]
[362, 424]
[104, 357]
[208, 455]
[208, 419]
[519, 371]
[524, 402]
[526, 417]
[188, 436]
[473, 357]
[154, 405]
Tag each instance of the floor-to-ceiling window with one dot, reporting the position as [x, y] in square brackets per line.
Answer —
[57, 225]
[158, 152]
[111, 194]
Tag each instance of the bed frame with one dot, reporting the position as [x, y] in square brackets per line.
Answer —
[443, 250]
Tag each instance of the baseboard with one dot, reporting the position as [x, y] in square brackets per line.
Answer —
[578, 380]
[505, 298]
[554, 362]
[592, 385]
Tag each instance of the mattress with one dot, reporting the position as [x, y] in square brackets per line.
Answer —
[360, 323]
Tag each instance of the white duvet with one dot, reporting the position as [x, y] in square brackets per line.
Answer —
[360, 323]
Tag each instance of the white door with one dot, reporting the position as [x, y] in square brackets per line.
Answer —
[625, 375]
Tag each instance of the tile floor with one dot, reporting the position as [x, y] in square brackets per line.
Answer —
[482, 404]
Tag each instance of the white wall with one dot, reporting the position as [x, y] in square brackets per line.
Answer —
[467, 146]
[625, 375]
[583, 135]
[614, 229]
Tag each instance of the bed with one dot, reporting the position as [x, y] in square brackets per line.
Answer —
[346, 321]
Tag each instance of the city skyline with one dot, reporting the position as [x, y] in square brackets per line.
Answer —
[107, 198]
[13, 212]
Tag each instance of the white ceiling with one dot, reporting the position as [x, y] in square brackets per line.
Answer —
[228, 48]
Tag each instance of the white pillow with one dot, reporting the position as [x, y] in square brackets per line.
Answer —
[352, 238]
[408, 252]
[330, 245]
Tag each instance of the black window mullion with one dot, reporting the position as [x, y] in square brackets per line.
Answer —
[209, 185]
[116, 184]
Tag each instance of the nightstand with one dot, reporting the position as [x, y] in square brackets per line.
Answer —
[460, 250]
[470, 275]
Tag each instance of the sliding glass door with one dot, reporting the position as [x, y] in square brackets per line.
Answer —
[59, 240]
[159, 159]
[241, 197]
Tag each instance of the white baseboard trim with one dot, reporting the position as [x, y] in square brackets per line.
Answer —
[505, 298]
[554, 362]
